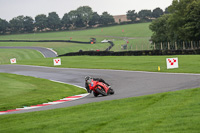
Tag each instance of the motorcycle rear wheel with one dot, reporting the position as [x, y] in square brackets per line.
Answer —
[95, 94]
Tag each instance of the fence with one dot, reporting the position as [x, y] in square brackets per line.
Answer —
[185, 45]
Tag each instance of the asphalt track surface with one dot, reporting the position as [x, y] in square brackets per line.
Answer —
[44, 51]
[125, 83]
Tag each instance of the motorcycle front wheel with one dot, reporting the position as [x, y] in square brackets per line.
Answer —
[101, 91]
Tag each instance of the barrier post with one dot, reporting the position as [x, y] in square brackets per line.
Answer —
[183, 45]
[199, 43]
[168, 46]
[175, 45]
[192, 45]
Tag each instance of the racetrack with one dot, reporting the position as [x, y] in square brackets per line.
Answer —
[44, 51]
[125, 83]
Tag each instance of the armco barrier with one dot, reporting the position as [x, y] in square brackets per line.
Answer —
[134, 53]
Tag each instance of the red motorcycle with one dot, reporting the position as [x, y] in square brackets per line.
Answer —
[100, 88]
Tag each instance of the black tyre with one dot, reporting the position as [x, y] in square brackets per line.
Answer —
[101, 91]
[95, 94]
[111, 92]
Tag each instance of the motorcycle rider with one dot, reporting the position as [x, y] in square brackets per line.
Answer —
[88, 81]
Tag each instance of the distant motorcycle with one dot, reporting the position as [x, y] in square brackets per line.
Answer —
[99, 88]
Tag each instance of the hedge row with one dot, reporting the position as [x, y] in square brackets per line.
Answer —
[45, 41]
[134, 53]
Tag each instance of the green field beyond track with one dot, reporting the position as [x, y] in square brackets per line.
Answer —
[166, 112]
[18, 91]
[131, 30]
[187, 63]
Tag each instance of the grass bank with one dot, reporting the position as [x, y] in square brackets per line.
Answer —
[130, 30]
[138, 34]
[166, 112]
[18, 91]
[7, 54]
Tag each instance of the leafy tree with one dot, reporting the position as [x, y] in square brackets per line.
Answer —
[28, 24]
[182, 24]
[160, 29]
[80, 17]
[166, 11]
[73, 17]
[191, 27]
[85, 14]
[157, 13]
[131, 15]
[94, 20]
[54, 21]
[66, 22]
[17, 24]
[184, 21]
[106, 19]
[41, 21]
[3, 26]
[80, 22]
[145, 15]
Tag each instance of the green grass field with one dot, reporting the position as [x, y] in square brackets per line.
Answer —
[18, 91]
[166, 112]
[131, 30]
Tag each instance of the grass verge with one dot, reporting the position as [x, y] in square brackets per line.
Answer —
[187, 63]
[18, 91]
[165, 112]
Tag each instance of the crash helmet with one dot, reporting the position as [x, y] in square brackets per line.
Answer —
[88, 79]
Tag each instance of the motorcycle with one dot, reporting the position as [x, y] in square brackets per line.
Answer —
[100, 88]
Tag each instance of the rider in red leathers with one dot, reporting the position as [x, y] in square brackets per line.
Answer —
[87, 82]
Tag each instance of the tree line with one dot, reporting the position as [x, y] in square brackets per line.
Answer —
[180, 26]
[82, 17]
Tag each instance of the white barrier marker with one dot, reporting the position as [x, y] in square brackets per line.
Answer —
[57, 62]
[172, 63]
[13, 60]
